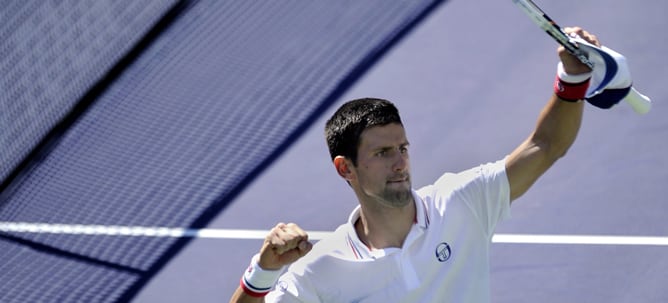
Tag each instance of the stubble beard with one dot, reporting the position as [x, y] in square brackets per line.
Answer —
[399, 197]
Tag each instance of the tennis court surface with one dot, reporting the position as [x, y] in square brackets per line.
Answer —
[208, 115]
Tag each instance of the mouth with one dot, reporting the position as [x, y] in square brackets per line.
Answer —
[398, 179]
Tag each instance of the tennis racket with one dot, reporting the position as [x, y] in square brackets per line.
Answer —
[640, 103]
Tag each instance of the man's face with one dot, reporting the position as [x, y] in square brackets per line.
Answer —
[383, 167]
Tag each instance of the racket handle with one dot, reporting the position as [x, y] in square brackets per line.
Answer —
[640, 103]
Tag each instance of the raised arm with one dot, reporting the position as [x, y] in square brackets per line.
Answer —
[555, 132]
[284, 244]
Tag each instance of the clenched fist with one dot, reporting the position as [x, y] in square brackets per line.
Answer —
[284, 244]
[572, 65]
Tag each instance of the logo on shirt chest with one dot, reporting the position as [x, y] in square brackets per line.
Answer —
[443, 252]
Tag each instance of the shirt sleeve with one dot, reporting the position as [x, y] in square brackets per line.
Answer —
[292, 288]
[281, 296]
[486, 191]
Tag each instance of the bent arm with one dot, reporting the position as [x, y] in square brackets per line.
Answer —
[555, 132]
[558, 125]
[284, 244]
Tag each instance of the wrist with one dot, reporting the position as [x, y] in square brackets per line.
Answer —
[570, 87]
[256, 281]
[571, 77]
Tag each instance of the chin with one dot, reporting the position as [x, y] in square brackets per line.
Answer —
[399, 198]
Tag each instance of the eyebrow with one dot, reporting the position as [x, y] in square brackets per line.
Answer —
[385, 148]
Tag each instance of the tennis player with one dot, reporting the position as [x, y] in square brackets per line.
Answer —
[405, 245]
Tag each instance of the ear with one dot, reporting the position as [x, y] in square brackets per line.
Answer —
[343, 165]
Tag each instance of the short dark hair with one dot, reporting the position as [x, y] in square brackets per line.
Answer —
[343, 129]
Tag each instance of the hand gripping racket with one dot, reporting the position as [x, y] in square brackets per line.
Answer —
[610, 73]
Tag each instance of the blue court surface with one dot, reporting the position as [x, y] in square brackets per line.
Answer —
[470, 81]
[469, 78]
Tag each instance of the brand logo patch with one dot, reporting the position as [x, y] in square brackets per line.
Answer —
[443, 252]
[282, 285]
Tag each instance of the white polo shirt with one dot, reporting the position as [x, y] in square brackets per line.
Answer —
[445, 257]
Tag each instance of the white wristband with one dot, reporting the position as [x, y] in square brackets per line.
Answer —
[568, 78]
[257, 280]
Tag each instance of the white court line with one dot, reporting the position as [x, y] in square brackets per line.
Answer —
[210, 233]
[580, 239]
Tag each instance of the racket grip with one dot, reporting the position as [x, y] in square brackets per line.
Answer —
[640, 103]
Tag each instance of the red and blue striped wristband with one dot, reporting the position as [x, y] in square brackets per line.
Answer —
[258, 282]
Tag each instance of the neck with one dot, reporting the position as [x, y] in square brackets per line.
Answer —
[383, 227]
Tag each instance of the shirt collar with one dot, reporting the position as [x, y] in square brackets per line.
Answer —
[421, 213]
[360, 250]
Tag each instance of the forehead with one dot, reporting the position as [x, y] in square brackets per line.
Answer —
[383, 136]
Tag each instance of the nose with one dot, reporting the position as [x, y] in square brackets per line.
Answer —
[401, 163]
